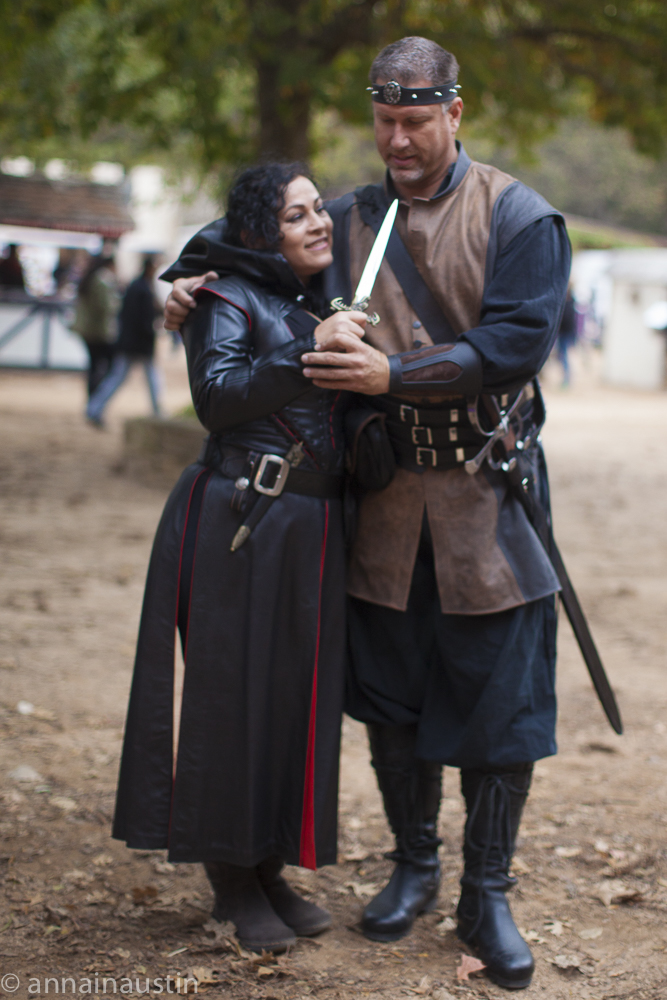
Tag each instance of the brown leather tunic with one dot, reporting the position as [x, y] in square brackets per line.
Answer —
[448, 239]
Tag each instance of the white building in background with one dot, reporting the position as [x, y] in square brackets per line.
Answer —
[634, 355]
[164, 218]
[44, 213]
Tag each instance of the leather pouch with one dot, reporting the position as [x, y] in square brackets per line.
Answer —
[370, 457]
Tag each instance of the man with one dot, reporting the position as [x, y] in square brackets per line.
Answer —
[135, 344]
[452, 608]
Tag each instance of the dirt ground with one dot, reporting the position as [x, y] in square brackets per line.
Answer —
[591, 860]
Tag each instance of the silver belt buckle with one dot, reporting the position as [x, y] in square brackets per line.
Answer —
[415, 435]
[281, 478]
[432, 452]
[404, 409]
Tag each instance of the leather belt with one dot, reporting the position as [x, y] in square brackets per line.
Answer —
[268, 475]
[233, 465]
[424, 437]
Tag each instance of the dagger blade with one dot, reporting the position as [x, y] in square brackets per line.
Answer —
[375, 257]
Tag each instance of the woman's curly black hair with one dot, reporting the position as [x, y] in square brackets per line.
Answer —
[254, 201]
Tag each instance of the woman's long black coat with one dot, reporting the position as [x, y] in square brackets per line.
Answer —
[256, 769]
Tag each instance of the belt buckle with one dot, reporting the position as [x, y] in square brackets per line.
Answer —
[402, 412]
[432, 452]
[281, 477]
[415, 432]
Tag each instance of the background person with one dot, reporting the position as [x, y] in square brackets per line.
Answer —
[567, 335]
[11, 271]
[136, 343]
[96, 317]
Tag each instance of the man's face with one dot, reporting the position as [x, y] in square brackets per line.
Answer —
[416, 142]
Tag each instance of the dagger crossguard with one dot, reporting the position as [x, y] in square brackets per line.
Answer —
[339, 306]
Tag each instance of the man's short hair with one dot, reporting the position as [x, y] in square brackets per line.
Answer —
[412, 59]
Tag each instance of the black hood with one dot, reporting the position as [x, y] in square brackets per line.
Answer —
[208, 251]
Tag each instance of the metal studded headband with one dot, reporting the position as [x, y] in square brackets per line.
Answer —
[394, 93]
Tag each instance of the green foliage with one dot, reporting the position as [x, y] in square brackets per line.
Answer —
[221, 80]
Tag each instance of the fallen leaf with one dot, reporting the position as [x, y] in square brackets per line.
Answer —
[263, 970]
[567, 852]
[121, 953]
[162, 867]
[601, 846]
[445, 926]
[185, 985]
[532, 937]
[554, 927]
[102, 860]
[468, 967]
[663, 882]
[362, 890]
[566, 961]
[77, 876]
[519, 867]
[442, 995]
[61, 802]
[204, 977]
[590, 933]
[143, 893]
[224, 929]
[424, 985]
[96, 896]
[614, 891]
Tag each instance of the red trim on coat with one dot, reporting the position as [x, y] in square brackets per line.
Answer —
[307, 851]
[205, 288]
[288, 430]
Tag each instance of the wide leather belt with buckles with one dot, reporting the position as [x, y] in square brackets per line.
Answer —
[270, 474]
[425, 437]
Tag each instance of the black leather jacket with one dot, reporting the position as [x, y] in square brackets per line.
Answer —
[244, 343]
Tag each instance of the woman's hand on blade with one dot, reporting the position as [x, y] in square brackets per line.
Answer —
[348, 363]
[180, 301]
[340, 322]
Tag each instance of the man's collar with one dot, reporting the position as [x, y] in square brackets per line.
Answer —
[451, 180]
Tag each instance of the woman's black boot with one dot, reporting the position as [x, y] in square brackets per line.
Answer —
[305, 918]
[495, 799]
[239, 897]
[411, 790]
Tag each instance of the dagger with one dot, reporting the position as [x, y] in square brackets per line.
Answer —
[362, 295]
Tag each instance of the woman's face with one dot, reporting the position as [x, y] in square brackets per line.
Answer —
[306, 229]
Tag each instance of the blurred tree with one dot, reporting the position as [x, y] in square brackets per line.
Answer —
[590, 171]
[224, 79]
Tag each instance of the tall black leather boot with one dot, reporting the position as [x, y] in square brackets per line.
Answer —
[239, 897]
[411, 790]
[495, 799]
[305, 918]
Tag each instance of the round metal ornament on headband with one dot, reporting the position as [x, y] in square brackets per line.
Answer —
[394, 93]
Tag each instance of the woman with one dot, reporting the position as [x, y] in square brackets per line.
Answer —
[260, 610]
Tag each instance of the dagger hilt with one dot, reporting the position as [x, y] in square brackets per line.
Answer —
[339, 306]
